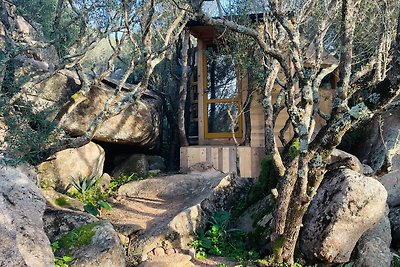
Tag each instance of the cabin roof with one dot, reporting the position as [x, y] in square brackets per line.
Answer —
[206, 32]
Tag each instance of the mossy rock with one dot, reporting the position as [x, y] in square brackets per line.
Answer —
[77, 238]
[63, 201]
[265, 182]
[92, 245]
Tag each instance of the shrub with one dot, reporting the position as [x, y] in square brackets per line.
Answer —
[88, 191]
[220, 240]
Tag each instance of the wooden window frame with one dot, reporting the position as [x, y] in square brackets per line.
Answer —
[206, 101]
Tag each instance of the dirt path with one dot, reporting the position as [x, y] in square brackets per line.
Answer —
[150, 205]
[144, 212]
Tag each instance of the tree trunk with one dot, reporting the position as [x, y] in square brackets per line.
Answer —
[183, 89]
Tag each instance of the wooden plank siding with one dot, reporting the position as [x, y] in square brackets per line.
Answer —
[223, 158]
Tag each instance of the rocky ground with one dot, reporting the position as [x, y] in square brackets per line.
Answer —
[158, 217]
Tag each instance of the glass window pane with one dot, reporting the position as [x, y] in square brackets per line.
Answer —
[221, 75]
[219, 120]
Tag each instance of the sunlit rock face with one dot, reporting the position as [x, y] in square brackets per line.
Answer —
[23, 240]
[347, 204]
[67, 165]
[138, 125]
[49, 91]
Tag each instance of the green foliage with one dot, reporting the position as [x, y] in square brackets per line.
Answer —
[95, 209]
[61, 201]
[270, 262]
[85, 184]
[77, 238]
[265, 182]
[294, 150]
[115, 184]
[219, 240]
[27, 131]
[60, 261]
[43, 12]
[88, 191]
[39, 11]
[395, 261]
[277, 246]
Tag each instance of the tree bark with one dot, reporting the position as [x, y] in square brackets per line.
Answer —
[183, 89]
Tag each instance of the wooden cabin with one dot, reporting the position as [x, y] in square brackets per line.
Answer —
[216, 94]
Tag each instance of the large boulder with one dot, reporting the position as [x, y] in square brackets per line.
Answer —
[137, 125]
[103, 249]
[51, 94]
[373, 248]
[46, 90]
[156, 162]
[346, 205]
[380, 141]
[23, 240]
[26, 33]
[59, 171]
[172, 209]
[58, 222]
[136, 163]
[394, 217]
[391, 181]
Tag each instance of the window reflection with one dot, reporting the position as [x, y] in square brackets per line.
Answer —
[219, 120]
[221, 75]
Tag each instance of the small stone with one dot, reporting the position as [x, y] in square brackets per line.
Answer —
[159, 252]
[124, 239]
[170, 251]
[127, 229]
[368, 170]
[144, 257]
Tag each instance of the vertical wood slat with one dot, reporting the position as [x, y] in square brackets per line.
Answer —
[223, 158]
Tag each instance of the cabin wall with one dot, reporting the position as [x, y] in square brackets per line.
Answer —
[222, 152]
[223, 158]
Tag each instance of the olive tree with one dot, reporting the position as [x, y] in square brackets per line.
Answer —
[148, 29]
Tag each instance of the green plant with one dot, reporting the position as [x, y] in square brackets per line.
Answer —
[395, 261]
[220, 240]
[95, 209]
[270, 262]
[28, 131]
[61, 201]
[85, 184]
[265, 182]
[116, 183]
[87, 190]
[76, 238]
[60, 261]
